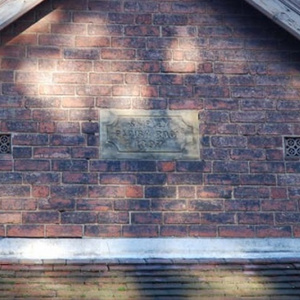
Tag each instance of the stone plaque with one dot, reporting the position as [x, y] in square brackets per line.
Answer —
[137, 134]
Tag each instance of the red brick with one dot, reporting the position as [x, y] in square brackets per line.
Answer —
[32, 165]
[75, 102]
[182, 218]
[186, 191]
[140, 231]
[80, 178]
[168, 205]
[44, 52]
[75, 53]
[217, 218]
[10, 218]
[70, 78]
[278, 205]
[94, 205]
[100, 78]
[18, 204]
[57, 204]
[202, 231]
[242, 205]
[233, 231]
[78, 217]
[25, 231]
[40, 191]
[146, 218]
[15, 191]
[72, 29]
[40, 217]
[173, 231]
[54, 89]
[113, 218]
[274, 231]
[63, 231]
[103, 231]
[106, 191]
[255, 218]
[84, 41]
[46, 127]
[132, 205]
[134, 191]
[56, 40]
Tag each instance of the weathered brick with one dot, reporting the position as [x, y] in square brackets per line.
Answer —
[217, 218]
[70, 191]
[160, 192]
[25, 230]
[273, 231]
[202, 231]
[69, 165]
[206, 205]
[146, 218]
[181, 218]
[218, 192]
[132, 205]
[121, 179]
[140, 231]
[255, 218]
[237, 231]
[242, 205]
[78, 217]
[106, 191]
[279, 205]
[222, 179]
[246, 192]
[80, 178]
[46, 217]
[64, 231]
[10, 218]
[113, 218]
[168, 205]
[32, 165]
[102, 231]
[174, 231]
[184, 178]
[94, 205]
[42, 178]
[134, 191]
[59, 204]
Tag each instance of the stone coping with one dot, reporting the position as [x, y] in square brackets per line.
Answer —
[144, 248]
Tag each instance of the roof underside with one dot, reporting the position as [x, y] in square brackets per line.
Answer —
[285, 13]
[10, 10]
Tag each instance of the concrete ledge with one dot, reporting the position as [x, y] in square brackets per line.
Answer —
[144, 248]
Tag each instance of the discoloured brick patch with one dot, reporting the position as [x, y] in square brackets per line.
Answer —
[150, 279]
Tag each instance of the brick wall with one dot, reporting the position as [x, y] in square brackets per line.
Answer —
[65, 61]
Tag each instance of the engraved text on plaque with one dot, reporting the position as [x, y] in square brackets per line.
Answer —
[139, 134]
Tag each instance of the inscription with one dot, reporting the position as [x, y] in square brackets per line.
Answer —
[158, 135]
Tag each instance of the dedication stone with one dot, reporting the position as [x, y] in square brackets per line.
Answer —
[137, 134]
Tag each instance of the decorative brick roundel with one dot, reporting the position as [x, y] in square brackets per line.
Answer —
[292, 146]
[5, 143]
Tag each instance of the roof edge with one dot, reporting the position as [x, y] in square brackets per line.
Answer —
[283, 12]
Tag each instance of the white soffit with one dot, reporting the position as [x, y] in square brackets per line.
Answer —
[10, 10]
[286, 13]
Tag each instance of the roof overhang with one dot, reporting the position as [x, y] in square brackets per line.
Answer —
[286, 13]
[10, 10]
